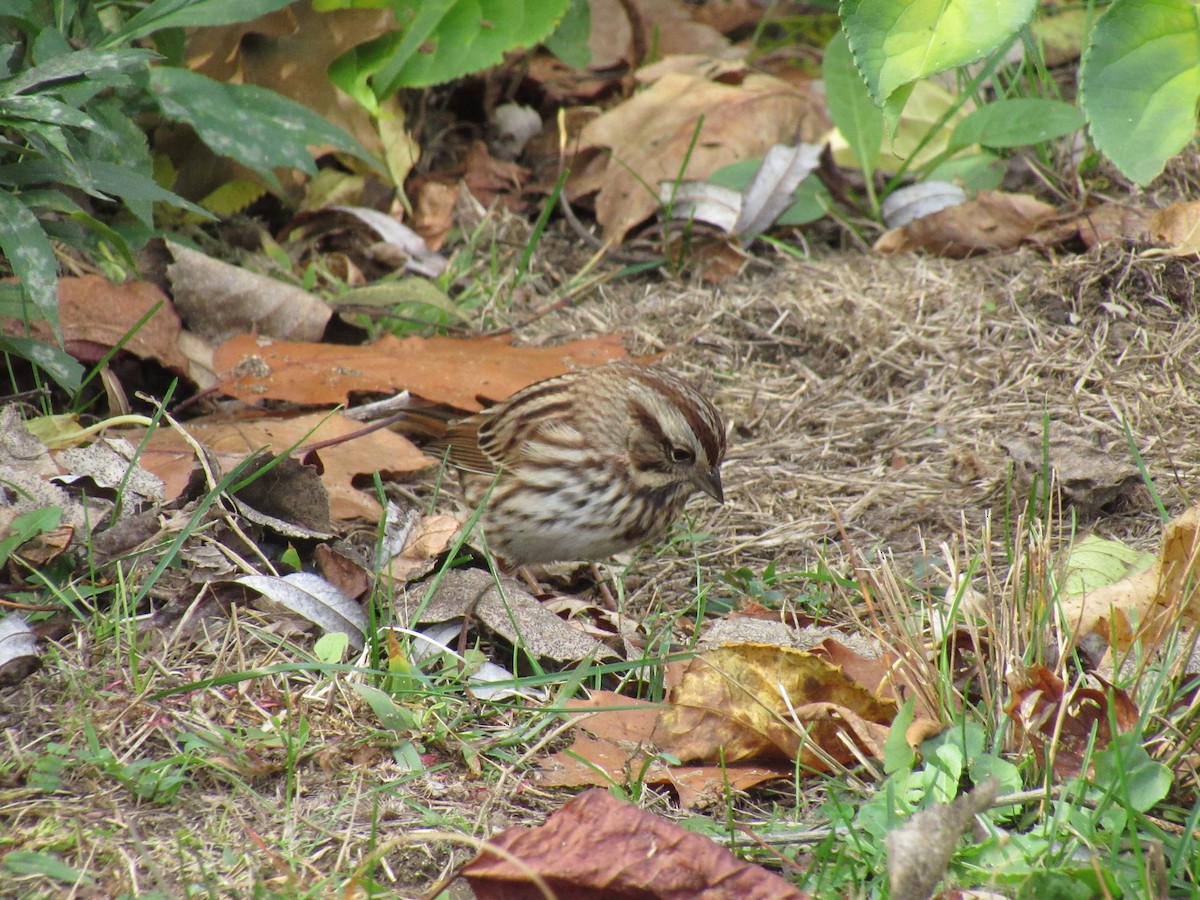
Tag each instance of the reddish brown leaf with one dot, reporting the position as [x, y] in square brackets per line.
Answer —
[96, 315]
[992, 221]
[599, 847]
[440, 369]
[1041, 701]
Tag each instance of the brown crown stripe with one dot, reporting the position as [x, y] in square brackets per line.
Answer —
[700, 415]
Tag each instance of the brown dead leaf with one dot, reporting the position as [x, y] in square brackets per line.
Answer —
[487, 177]
[1106, 222]
[615, 743]
[456, 372]
[667, 26]
[96, 315]
[653, 133]
[427, 541]
[1143, 606]
[433, 211]
[1178, 228]
[597, 846]
[169, 457]
[506, 608]
[1059, 722]
[992, 221]
[341, 569]
[755, 701]
[1089, 476]
[219, 300]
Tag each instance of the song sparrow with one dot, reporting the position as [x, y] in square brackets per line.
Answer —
[587, 464]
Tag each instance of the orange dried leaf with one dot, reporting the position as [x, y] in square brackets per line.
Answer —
[453, 371]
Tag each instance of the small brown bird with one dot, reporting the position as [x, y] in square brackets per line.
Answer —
[587, 464]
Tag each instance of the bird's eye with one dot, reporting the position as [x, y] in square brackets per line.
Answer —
[681, 455]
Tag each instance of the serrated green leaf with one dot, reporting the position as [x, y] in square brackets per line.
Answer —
[850, 105]
[446, 39]
[898, 41]
[1018, 122]
[1140, 82]
[31, 257]
[255, 126]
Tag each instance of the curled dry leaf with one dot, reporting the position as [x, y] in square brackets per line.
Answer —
[756, 702]
[18, 650]
[507, 609]
[1149, 600]
[1089, 476]
[1059, 721]
[651, 135]
[428, 539]
[598, 846]
[218, 300]
[992, 221]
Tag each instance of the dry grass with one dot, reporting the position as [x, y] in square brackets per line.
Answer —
[866, 395]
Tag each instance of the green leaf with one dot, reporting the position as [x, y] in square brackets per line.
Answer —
[850, 105]
[28, 526]
[31, 257]
[390, 714]
[255, 126]
[1017, 123]
[446, 39]
[80, 64]
[188, 13]
[1128, 770]
[1140, 81]
[898, 41]
[33, 862]
[569, 42]
[54, 361]
[898, 756]
[44, 109]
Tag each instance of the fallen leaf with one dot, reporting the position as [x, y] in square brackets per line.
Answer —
[762, 702]
[992, 221]
[18, 650]
[219, 300]
[615, 744]
[314, 599]
[1142, 606]
[1178, 227]
[1090, 477]
[428, 539]
[95, 315]
[456, 372]
[1060, 722]
[506, 609]
[654, 133]
[168, 455]
[597, 846]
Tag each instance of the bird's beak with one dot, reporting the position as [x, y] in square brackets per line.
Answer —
[710, 483]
